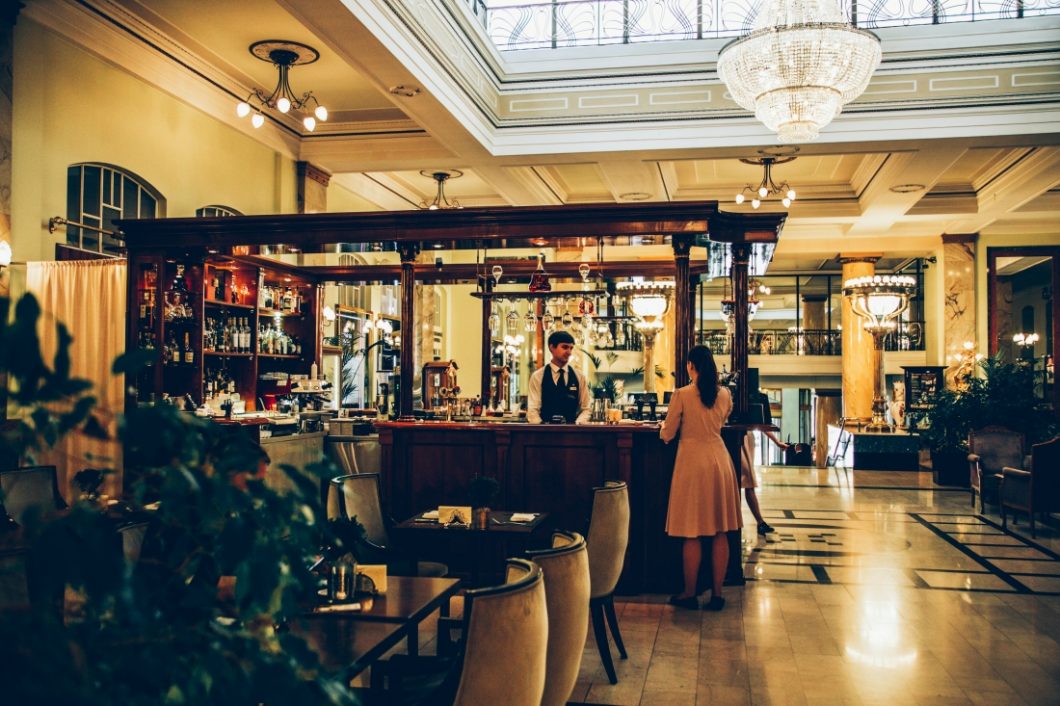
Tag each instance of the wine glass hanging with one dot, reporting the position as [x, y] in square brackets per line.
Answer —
[530, 321]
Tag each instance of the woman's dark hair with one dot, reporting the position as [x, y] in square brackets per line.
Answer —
[707, 371]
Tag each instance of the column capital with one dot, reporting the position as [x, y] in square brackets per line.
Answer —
[682, 244]
[408, 252]
[810, 298]
[311, 171]
[870, 257]
[959, 238]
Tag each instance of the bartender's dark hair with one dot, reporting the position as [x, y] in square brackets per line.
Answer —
[558, 337]
[707, 371]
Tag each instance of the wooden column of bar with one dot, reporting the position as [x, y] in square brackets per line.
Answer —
[741, 257]
[486, 283]
[408, 252]
[682, 245]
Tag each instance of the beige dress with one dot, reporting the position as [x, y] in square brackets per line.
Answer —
[704, 498]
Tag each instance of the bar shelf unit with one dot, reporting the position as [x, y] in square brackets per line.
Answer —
[154, 328]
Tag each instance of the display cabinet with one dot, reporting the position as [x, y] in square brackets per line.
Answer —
[921, 384]
[218, 328]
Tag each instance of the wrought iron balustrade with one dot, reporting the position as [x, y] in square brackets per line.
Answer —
[569, 23]
[909, 336]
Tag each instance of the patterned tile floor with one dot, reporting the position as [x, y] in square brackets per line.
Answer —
[878, 588]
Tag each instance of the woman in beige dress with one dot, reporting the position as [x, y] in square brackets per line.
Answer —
[704, 499]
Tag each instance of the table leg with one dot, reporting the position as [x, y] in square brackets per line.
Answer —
[413, 640]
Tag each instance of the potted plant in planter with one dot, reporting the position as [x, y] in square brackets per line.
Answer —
[480, 494]
[1004, 396]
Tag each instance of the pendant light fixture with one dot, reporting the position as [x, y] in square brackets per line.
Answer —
[799, 65]
[440, 200]
[283, 54]
[767, 187]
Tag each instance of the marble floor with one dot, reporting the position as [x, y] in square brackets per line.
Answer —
[878, 588]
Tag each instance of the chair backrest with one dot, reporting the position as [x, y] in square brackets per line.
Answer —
[31, 489]
[360, 498]
[1045, 464]
[608, 536]
[14, 582]
[506, 640]
[566, 569]
[997, 447]
[132, 540]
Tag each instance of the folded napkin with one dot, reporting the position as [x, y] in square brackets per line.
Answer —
[339, 608]
[522, 517]
[430, 515]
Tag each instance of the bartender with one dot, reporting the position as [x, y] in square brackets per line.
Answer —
[556, 390]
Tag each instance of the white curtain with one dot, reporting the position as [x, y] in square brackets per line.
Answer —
[88, 296]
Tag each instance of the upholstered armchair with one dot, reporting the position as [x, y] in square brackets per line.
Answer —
[357, 497]
[991, 449]
[1035, 488]
[566, 569]
[28, 490]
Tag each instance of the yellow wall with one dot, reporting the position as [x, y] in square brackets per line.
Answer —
[71, 107]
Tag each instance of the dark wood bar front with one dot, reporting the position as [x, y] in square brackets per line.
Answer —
[541, 468]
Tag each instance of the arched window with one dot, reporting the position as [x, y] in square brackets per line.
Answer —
[99, 194]
[216, 211]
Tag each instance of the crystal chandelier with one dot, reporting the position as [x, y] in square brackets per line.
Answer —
[283, 55]
[440, 200]
[767, 187]
[800, 64]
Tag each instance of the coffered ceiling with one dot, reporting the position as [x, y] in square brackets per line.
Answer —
[411, 87]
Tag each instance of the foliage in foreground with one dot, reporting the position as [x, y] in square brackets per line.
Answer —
[159, 630]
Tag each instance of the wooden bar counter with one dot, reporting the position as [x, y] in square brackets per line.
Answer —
[549, 468]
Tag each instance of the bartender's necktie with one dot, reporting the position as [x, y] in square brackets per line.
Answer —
[562, 378]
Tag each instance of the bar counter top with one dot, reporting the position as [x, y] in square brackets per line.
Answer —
[484, 425]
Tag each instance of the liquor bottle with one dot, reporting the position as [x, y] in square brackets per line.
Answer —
[244, 336]
[288, 300]
[189, 353]
[173, 351]
[270, 299]
[539, 280]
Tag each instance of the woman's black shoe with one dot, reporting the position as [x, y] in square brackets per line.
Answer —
[715, 603]
[764, 528]
[691, 602]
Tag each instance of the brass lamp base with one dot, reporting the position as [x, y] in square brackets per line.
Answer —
[879, 423]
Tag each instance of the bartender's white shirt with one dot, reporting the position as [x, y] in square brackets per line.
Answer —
[533, 405]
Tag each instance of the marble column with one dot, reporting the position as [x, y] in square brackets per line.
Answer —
[829, 409]
[312, 188]
[682, 245]
[958, 263]
[814, 320]
[859, 366]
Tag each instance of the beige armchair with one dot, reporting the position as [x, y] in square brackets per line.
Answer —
[357, 496]
[991, 449]
[566, 569]
[502, 658]
[1035, 488]
[607, 540]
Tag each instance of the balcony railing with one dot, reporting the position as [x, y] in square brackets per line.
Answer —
[544, 24]
[909, 336]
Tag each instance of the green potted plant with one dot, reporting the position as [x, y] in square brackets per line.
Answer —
[480, 494]
[1003, 396]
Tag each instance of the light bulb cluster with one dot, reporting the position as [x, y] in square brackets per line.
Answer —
[283, 55]
[880, 281]
[767, 187]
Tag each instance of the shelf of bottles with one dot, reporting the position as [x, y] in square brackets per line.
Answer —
[217, 327]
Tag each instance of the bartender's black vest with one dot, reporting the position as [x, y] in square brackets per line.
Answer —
[556, 401]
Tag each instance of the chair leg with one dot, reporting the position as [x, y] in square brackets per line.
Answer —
[612, 622]
[1030, 516]
[596, 610]
[1004, 518]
